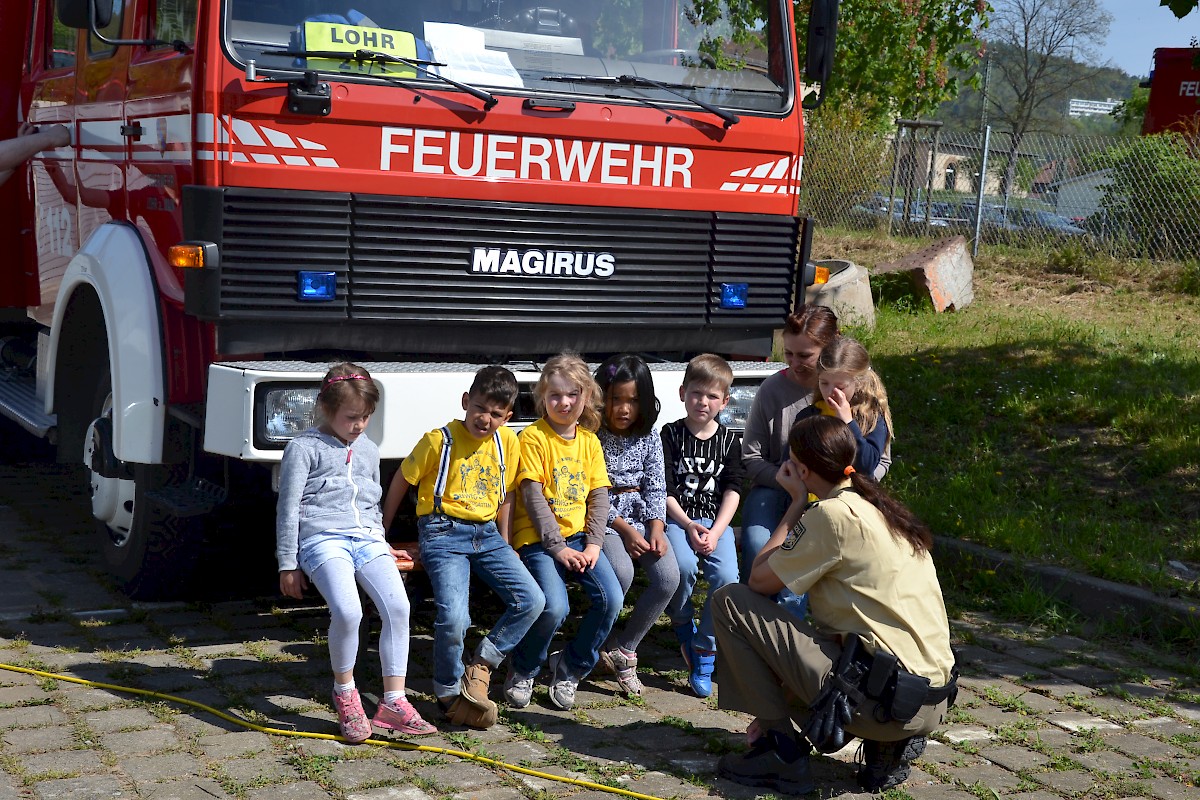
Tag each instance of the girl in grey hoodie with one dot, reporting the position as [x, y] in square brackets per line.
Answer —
[329, 529]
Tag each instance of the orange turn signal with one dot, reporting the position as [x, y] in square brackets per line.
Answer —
[821, 275]
[186, 256]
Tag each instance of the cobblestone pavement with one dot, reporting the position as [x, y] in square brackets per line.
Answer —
[1040, 716]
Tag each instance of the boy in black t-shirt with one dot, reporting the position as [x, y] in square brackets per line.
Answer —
[703, 462]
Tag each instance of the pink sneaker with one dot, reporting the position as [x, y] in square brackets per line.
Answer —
[401, 717]
[351, 717]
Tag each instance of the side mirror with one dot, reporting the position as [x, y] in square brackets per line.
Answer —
[822, 42]
[78, 13]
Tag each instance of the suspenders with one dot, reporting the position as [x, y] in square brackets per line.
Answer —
[439, 486]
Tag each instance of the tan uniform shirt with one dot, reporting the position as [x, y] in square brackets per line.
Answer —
[862, 579]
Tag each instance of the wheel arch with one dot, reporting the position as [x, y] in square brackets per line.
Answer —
[108, 289]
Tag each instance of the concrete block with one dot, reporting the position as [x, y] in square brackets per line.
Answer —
[99, 787]
[848, 293]
[944, 270]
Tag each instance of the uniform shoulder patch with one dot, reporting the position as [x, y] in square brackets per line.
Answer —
[794, 535]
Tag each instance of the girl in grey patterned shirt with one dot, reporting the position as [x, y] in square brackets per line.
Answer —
[634, 457]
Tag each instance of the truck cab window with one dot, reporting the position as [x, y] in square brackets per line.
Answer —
[110, 31]
[61, 52]
[712, 50]
[175, 20]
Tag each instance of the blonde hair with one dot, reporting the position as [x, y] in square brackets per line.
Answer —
[574, 369]
[709, 369]
[870, 402]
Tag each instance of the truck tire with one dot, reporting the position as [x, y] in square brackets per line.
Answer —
[151, 550]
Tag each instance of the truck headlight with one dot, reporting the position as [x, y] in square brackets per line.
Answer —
[737, 413]
[284, 412]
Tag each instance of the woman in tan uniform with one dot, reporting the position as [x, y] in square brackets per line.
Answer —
[875, 659]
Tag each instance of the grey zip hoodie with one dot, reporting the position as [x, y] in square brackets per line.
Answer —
[324, 485]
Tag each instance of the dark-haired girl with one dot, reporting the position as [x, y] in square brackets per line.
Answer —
[638, 507]
[864, 561]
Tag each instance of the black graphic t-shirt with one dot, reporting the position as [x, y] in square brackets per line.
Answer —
[700, 471]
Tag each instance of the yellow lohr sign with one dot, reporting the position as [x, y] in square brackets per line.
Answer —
[332, 36]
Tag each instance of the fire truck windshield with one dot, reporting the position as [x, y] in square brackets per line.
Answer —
[733, 57]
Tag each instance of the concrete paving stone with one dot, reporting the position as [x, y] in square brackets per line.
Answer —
[1033, 654]
[391, 793]
[172, 680]
[1189, 711]
[967, 733]
[989, 775]
[994, 717]
[1164, 726]
[1078, 721]
[9, 789]
[235, 745]
[152, 740]
[1117, 709]
[350, 775]
[162, 767]
[1087, 674]
[1036, 795]
[686, 762]
[553, 787]
[496, 793]
[939, 791]
[1014, 758]
[11, 678]
[660, 784]
[620, 716]
[31, 717]
[1059, 687]
[35, 740]
[90, 788]
[259, 768]
[459, 775]
[940, 753]
[1069, 645]
[522, 753]
[63, 762]
[22, 695]
[297, 790]
[1143, 747]
[1143, 691]
[1069, 782]
[1168, 789]
[1104, 761]
[119, 719]
[80, 698]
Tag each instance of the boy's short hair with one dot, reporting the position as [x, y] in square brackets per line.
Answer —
[497, 384]
[709, 369]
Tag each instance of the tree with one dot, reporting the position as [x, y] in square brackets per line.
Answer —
[1035, 69]
[902, 57]
[1132, 112]
[1180, 8]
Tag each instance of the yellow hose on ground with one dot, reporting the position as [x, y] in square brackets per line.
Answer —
[491, 762]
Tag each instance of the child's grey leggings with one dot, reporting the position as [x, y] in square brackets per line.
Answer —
[335, 579]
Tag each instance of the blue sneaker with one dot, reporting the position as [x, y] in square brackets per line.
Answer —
[685, 632]
[701, 670]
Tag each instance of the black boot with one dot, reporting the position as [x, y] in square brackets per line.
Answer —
[776, 761]
[887, 764]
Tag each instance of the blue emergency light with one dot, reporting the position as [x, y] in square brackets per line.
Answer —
[316, 287]
[733, 295]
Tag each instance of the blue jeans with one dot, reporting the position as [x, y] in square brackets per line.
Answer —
[450, 550]
[603, 590]
[720, 567]
[761, 513]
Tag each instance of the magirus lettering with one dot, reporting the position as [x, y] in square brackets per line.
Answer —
[555, 263]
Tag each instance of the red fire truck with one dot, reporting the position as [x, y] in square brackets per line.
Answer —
[1174, 102]
[255, 188]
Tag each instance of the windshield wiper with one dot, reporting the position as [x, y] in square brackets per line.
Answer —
[419, 64]
[729, 117]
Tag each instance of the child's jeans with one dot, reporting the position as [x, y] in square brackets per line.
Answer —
[451, 549]
[603, 590]
[338, 564]
[720, 567]
[763, 510]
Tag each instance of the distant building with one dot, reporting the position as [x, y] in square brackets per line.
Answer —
[1091, 108]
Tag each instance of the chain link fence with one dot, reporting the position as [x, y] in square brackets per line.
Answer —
[1126, 197]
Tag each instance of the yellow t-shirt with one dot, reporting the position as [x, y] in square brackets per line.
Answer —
[568, 470]
[472, 490]
[862, 579]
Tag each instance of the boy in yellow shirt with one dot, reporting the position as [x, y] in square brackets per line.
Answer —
[465, 473]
